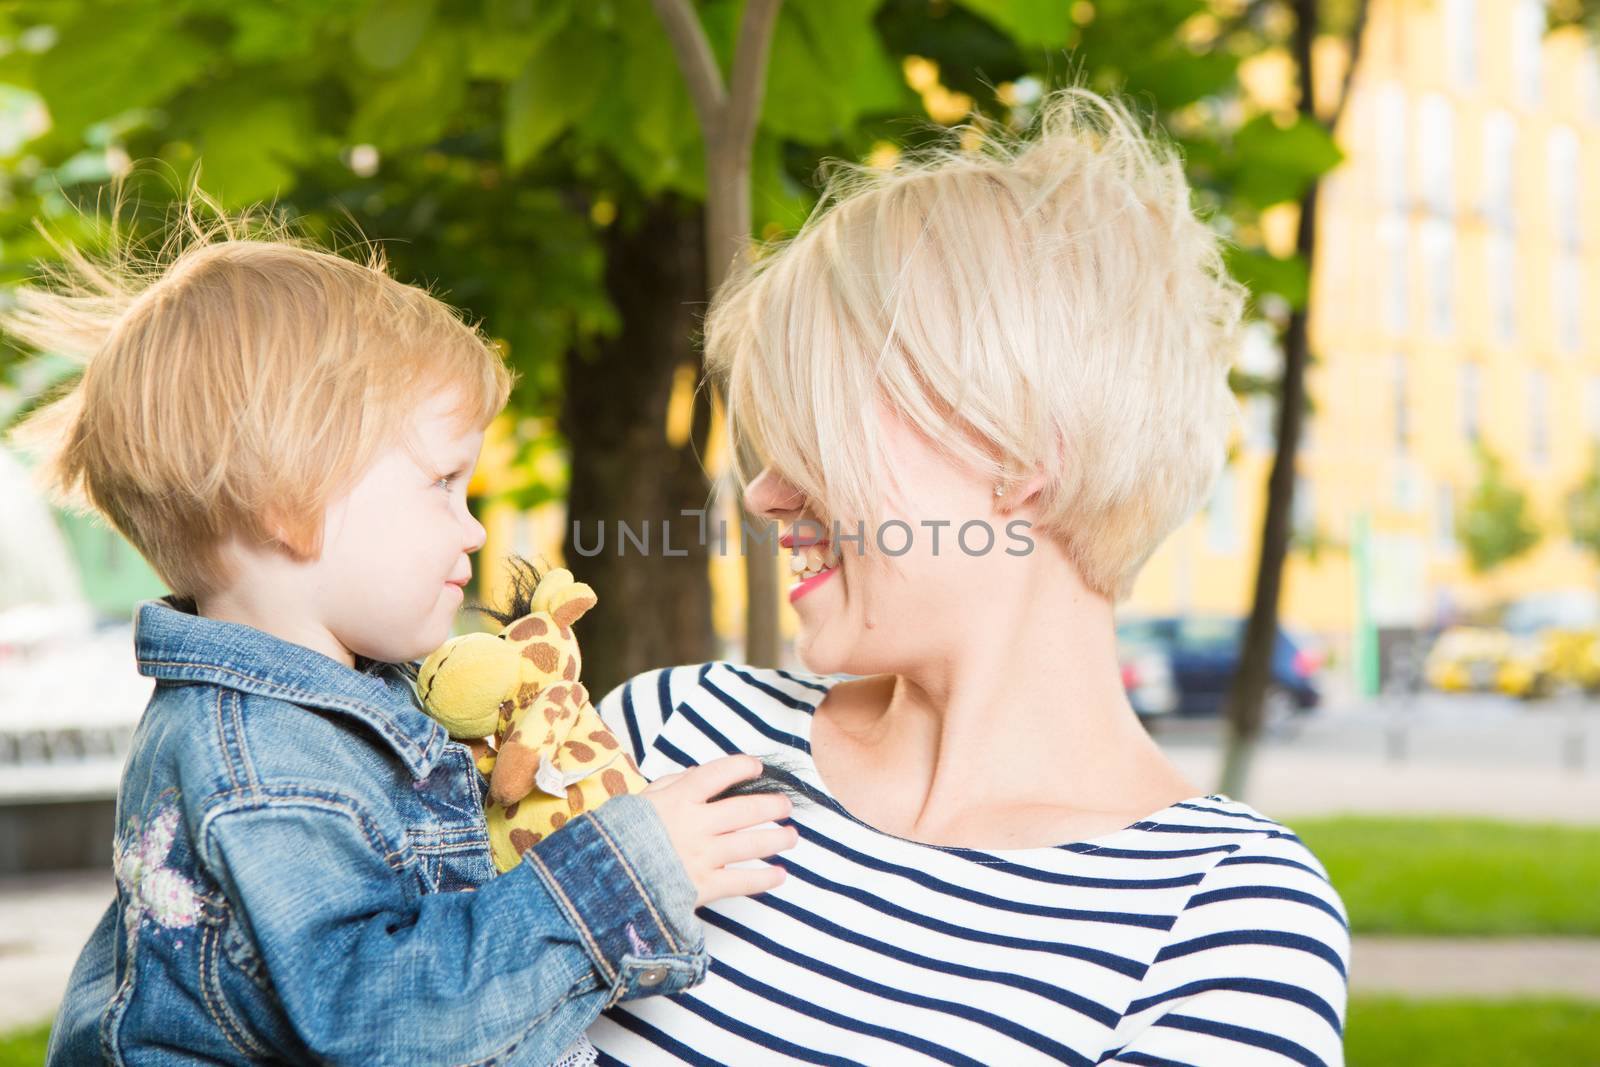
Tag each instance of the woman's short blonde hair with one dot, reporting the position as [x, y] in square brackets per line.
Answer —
[1048, 302]
[233, 385]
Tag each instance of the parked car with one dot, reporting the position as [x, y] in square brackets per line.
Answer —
[1147, 676]
[1538, 644]
[1203, 653]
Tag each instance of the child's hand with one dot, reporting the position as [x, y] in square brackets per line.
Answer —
[709, 835]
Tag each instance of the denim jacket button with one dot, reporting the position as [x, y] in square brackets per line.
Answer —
[652, 976]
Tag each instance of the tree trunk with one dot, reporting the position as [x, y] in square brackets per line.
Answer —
[655, 608]
[1249, 686]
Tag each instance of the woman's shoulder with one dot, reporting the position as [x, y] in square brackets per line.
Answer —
[716, 698]
[1266, 879]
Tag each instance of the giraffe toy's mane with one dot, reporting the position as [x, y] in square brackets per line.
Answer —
[524, 579]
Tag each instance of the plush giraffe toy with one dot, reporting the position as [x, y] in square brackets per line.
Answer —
[553, 756]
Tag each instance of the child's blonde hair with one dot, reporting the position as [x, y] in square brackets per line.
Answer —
[233, 385]
[1037, 303]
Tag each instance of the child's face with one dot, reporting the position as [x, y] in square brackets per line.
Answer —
[395, 548]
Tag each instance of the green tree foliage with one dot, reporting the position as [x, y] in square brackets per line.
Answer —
[1495, 524]
[1583, 507]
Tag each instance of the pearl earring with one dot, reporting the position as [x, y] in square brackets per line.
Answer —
[1000, 490]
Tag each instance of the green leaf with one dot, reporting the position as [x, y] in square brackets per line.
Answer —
[1265, 273]
[412, 107]
[827, 69]
[1031, 22]
[248, 138]
[391, 31]
[113, 60]
[558, 86]
[1276, 164]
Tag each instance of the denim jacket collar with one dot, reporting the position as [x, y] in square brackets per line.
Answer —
[177, 645]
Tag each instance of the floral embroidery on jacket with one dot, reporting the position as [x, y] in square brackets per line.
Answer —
[153, 889]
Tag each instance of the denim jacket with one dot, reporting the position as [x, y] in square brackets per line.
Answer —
[303, 875]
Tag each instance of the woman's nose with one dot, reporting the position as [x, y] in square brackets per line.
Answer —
[768, 494]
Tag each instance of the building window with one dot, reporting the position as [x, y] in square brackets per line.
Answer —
[1499, 167]
[1538, 417]
[1501, 259]
[1435, 151]
[1394, 238]
[1391, 111]
[1399, 382]
[1561, 156]
[1444, 517]
[1261, 412]
[1589, 72]
[1461, 37]
[1303, 511]
[1439, 256]
[1470, 400]
[1527, 49]
[1564, 292]
[1222, 520]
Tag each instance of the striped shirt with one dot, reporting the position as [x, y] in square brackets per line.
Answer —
[1204, 934]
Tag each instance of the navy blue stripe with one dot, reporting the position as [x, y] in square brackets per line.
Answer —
[844, 1022]
[638, 1026]
[1259, 986]
[994, 1022]
[709, 732]
[675, 754]
[1083, 880]
[1144, 854]
[939, 885]
[1245, 1036]
[1056, 994]
[1279, 860]
[801, 681]
[1276, 938]
[630, 718]
[1264, 892]
[1184, 828]
[1099, 957]
[764, 1038]
[1225, 814]
[797, 703]
[1145, 1060]
[758, 724]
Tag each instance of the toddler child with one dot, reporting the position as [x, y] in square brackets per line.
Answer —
[302, 867]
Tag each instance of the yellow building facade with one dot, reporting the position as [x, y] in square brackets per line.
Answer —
[1457, 254]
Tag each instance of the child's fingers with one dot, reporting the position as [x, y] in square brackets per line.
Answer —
[741, 882]
[752, 845]
[662, 782]
[736, 813]
[709, 779]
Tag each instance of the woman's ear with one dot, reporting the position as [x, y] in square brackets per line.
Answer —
[1015, 496]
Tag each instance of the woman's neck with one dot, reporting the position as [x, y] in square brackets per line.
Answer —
[1027, 714]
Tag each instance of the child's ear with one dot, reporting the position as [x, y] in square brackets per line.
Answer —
[303, 541]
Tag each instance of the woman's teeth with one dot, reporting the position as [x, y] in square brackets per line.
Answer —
[812, 561]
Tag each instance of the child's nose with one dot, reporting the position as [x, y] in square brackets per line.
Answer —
[476, 534]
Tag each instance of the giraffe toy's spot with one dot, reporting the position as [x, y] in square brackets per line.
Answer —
[544, 655]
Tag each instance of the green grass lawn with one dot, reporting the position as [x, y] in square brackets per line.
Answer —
[1525, 1032]
[24, 1048]
[1460, 877]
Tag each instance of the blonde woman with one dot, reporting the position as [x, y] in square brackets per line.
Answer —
[985, 385]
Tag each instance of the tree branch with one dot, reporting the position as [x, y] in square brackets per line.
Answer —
[748, 83]
[1358, 30]
[696, 60]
